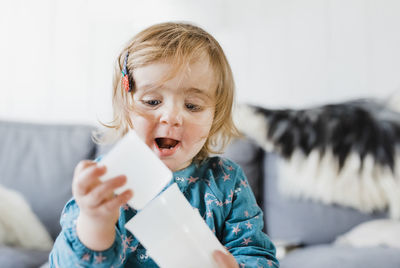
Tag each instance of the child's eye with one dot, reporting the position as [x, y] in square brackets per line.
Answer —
[193, 107]
[151, 102]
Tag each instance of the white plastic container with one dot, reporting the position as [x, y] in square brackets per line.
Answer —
[146, 174]
[174, 233]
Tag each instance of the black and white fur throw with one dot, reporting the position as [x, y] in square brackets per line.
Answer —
[345, 153]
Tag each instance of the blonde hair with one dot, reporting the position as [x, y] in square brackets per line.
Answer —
[178, 43]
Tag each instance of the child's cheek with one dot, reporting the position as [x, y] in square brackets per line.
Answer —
[201, 127]
[142, 116]
[144, 125]
[142, 111]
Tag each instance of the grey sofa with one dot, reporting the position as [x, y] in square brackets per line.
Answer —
[38, 160]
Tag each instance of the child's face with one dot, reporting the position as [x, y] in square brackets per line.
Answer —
[174, 118]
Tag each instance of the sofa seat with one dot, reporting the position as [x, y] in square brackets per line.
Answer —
[332, 256]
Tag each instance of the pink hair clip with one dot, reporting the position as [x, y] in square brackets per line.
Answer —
[125, 75]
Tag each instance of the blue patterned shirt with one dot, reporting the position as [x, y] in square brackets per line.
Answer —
[218, 188]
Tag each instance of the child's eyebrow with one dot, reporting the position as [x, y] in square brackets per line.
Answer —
[198, 91]
[192, 90]
[149, 87]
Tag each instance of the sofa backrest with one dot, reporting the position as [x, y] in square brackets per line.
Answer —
[38, 160]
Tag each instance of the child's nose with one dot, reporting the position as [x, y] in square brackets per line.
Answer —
[171, 115]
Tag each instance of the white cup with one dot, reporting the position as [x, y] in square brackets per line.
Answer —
[174, 233]
[146, 174]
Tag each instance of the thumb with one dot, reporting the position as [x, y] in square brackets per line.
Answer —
[222, 259]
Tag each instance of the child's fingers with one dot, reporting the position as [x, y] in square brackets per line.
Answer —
[87, 178]
[224, 260]
[118, 200]
[82, 165]
[104, 191]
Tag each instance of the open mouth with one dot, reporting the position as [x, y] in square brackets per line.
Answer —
[166, 143]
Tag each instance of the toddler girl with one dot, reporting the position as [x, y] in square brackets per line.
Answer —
[173, 85]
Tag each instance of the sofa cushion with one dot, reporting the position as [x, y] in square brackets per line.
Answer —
[22, 258]
[382, 232]
[38, 160]
[328, 256]
[303, 221]
[19, 226]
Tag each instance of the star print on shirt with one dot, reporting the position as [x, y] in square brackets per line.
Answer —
[249, 225]
[192, 180]
[231, 195]
[226, 177]
[244, 183]
[246, 213]
[125, 246]
[122, 258]
[86, 257]
[220, 204]
[270, 263]
[236, 229]
[127, 240]
[209, 214]
[246, 241]
[99, 258]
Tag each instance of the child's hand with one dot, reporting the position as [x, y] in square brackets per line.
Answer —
[99, 208]
[96, 199]
[225, 260]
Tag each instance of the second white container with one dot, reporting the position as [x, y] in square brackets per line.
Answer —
[174, 233]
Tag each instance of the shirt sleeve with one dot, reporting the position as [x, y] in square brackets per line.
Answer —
[242, 234]
[68, 250]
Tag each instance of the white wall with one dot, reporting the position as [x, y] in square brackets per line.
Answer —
[57, 56]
